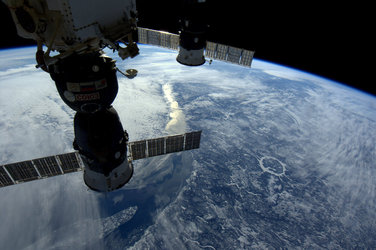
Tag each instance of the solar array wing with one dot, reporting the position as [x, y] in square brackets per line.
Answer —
[5, 180]
[234, 54]
[221, 52]
[213, 50]
[156, 147]
[247, 57]
[69, 162]
[25, 171]
[192, 140]
[22, 171]
[230, 54]
[164, 145]
[174, 143]
[138, 149]
[158, 38]
[47, 166]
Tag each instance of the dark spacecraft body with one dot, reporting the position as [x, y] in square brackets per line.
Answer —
[193, 29]
[86, 82]
[102, 143]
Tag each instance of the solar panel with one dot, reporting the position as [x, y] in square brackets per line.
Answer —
[69, 162]
[192, 140]
[39, 168]
[229, 54]
[158, 38]
[164, 145]
[5, 180]
[211, 49]
[142, 35]
[153, 38]
[22, 171]
[174, 143]
[138, 149]
[247, 57]
[221, 52]
[234, 54]
[47, 166]
[170, 41]
[156, 147]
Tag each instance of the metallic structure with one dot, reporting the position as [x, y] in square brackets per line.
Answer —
[158, 38]
[40, 168]
[164, 145]
[212, 50]
[76, 26]
[50, 166]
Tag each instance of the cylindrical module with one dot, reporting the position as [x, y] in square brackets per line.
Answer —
[193, 28]
[102, 144]
[86, 82]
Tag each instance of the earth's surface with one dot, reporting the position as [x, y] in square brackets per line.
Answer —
[287, 159]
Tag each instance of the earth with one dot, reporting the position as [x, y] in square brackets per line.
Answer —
[287, 159]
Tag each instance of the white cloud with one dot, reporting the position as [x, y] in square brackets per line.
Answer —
[177, 123]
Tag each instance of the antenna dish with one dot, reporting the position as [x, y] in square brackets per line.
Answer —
[131, 73]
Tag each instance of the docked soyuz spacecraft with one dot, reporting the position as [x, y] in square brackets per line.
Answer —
[86, 81]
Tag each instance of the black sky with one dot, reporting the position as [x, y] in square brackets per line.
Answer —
[333, 41]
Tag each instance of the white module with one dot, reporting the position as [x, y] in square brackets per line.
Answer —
[74, 26]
